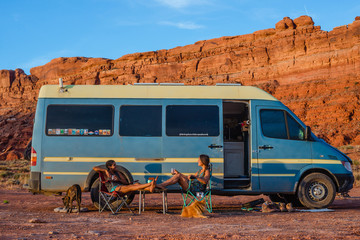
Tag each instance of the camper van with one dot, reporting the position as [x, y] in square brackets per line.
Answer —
[255, 143]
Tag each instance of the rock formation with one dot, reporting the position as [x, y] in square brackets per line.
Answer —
[314, 72]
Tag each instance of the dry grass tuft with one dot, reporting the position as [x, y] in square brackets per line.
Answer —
[13, 174]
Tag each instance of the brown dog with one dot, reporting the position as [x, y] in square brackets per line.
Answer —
[72, 194]
[195, 210]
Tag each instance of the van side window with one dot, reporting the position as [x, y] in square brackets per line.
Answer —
[296, 131]
[145, 121]
[198, 120]
[279, 124]
[79, 120]
[273, 123]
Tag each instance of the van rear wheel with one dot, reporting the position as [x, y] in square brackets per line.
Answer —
[316, 190]
[94, 192]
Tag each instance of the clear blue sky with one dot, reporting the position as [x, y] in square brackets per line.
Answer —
[34, 32]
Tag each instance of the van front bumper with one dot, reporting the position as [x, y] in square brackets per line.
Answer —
[345, 181]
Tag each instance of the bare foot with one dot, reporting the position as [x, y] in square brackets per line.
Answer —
[153, 184]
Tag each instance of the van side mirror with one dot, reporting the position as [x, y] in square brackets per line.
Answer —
[308, 133]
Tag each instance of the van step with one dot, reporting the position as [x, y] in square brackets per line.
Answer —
[236, 183]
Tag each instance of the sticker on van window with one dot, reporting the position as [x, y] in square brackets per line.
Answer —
[193, 134]
[78, 132]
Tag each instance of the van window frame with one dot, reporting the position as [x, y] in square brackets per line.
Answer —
[142, 105]
[285, 113]
[112, 117]
[191, 105]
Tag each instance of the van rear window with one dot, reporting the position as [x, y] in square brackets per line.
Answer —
[144, 121]
[192, 121]
[79, 120]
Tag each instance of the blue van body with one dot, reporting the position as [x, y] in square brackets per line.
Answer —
[273, 161]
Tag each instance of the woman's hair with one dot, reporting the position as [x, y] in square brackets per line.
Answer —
[205, 160]
[109, 163]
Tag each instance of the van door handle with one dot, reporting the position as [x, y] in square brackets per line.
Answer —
[266, 147]
[215, 146]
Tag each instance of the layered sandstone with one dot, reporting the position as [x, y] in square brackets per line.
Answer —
[315, 73]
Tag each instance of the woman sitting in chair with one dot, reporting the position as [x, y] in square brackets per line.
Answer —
[117, 181]
[198, 181]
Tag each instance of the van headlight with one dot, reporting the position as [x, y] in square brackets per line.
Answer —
[347, 166]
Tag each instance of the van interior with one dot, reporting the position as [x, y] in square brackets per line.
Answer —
[236, 144]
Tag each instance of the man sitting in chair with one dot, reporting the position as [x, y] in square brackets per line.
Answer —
[198, 181]
[117, 182]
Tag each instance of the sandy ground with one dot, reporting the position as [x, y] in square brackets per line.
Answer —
[227, 222]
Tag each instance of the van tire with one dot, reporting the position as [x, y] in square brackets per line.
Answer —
[316, 190]
[94, 192]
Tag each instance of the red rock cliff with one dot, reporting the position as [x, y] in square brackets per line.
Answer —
[315, 73]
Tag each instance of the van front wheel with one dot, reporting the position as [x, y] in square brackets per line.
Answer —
[316, 190]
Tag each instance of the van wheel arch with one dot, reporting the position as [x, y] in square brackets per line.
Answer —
[318, 170]
[93, 175]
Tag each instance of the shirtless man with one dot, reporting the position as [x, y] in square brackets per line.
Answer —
[117, 181]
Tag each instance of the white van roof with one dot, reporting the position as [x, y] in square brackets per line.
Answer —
[155, 91]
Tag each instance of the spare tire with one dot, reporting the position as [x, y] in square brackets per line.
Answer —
[94, 192]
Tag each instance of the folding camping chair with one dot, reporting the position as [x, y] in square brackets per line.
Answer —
[199, 196]
[109, 198]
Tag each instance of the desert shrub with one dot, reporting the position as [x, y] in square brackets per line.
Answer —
[14, 174]
[17, 175]
[6, 174]
[347, 147]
